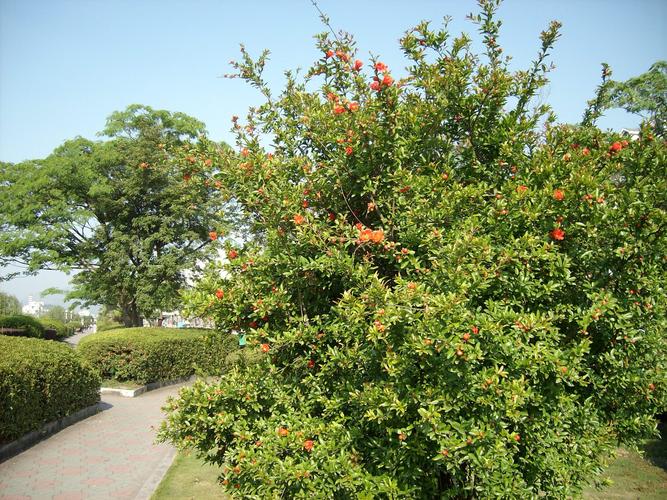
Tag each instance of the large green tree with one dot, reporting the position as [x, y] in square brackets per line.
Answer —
[118, 211]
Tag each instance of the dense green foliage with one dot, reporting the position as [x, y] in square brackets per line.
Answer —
[9, 305]
[120, 211]
[452, 300]
[63, 330]
[41, 381]
[145, 355]
[30, 326]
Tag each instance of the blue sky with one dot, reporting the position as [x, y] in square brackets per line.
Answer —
[65, 65]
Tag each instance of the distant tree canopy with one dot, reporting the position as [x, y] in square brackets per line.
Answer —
[645, 95]
[120, 211]
[57, 313]
[9, 304]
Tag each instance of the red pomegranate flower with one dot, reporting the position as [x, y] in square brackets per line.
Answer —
[357, 65]
[219, 293]
[387, 80]
[298, 219]
[266, 348]
[232, 254]
[342, 55]
[349, 150]
[365, 235]
[332, 216]
[308, 445]
[329, 53]
[559, 195]
[522, 189]
[375, 85]
[213, 235]
[245, 152]
[380, 66]
[353, 106]
[377, 236]
[282, 432]
[338, 110]
[311, 363]
[615, 147]
[557, 234]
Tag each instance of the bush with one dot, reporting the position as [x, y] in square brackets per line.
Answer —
[73, 327]
[41, 381]
[31, 327]
[146, 355]
[452, 300]
[242, 358]
[62, 330]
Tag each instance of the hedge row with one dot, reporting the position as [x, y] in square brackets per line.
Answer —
[29, 326]
[41, 381]
[62, 330]
[43, 328]
[146, 355]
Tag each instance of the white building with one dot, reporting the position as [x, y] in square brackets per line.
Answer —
[33, 308]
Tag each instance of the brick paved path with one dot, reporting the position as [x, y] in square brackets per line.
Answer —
[110, 455]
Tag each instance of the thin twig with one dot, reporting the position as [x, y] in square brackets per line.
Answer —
[325, 20]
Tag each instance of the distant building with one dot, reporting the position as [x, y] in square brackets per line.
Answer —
[632, 133]
[33, 308]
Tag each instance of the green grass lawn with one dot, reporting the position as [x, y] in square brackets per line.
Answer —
[631, 476]
[635, 477]
[190, 478]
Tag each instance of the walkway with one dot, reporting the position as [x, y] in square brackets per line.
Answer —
[111, 455]
[74, 339]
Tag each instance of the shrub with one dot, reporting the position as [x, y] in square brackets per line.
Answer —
[145, 355]
[72, 327]
[451, 303]
[31, 327]
[62, 330]
[41, 381]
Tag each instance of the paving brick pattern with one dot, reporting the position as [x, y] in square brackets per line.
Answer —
[111, 455]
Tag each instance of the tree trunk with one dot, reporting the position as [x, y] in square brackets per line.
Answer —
[445, 483]
[131, 316]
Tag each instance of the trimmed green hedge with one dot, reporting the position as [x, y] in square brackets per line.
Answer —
[146, 355]
[41, 381]
[31, 326]
[62, 330]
